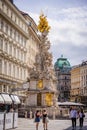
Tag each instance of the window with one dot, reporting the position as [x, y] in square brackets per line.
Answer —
[21, 56]
[18, 54]
[2, 5]
[10, 69]
[0, 66]
[10, 31]
[6, 29]
[11, 15]
[21, 73]
[6, 46]
[14, 70]
[24, 73]
[1, 43]
[2, 25]
[7, 11]
[18, 37]
[24, 57]
[15, 19]
[5, 67]
[10, 49]
[14, 51]
[4, 88]
[14, 34]
[18, 72]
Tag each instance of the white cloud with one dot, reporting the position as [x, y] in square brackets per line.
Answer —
[68, 30]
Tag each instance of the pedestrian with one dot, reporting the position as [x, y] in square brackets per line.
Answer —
[45, 120]
[37, 118]
[73, 116]
[81, 117]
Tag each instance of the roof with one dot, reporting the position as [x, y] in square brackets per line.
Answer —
[69, 104]
[62, 62]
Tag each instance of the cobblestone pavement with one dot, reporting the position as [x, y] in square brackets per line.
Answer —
[28, 124]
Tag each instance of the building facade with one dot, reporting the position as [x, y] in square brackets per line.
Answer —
[79, 83]
[19, 44]
[83, 73]
[75, 84]
[62, 69]
[33, 41]
[13, 51]
[83, 83]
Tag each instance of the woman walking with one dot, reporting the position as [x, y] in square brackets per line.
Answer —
[81, 118]
[37, 118]
[45, 120]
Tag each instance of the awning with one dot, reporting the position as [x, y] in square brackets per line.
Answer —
[1, 99]
[15, 99]
[7, 98]
[70, 104]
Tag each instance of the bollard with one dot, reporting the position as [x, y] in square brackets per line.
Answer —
[30, 114]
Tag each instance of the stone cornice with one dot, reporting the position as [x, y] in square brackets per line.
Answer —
[12, 59]
[16, 10]
[7, 38]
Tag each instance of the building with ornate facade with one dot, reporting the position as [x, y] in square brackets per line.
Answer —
[33, 40]
[19, 44]
[13, 41]
[62, 69]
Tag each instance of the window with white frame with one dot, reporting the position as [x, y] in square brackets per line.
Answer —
[6, 28]
[0, 66]
[1, 43]
[4, 88]
[10, 31]
[14, 51]
[10, 49]
[18, 72]
[9, 69]
[6, 46]
[5, 67]
[2, 24]
[13, 70]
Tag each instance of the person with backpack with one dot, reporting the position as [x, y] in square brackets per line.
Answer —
[45, 120]
[81, 117]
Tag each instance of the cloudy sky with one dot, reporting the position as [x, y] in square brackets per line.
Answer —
[68, 21]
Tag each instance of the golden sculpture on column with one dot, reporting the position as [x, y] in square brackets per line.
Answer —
[43, 91]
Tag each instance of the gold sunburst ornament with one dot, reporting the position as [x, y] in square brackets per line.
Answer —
[40, 84]
[48, 99]
[43, 24]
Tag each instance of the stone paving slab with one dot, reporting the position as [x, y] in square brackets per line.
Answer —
[28, 124]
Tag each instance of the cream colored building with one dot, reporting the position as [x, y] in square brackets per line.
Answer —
[19, 44]
[79, 83]
[83, 74]
[13, 47]
[33, 41]
[75, 83]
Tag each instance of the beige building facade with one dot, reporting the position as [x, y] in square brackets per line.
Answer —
[75, 83]
[13, 47]
[19, 44]
[79, 83]
[33, 41]
[84, 78]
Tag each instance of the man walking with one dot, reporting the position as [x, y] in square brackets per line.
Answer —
[73, 116]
